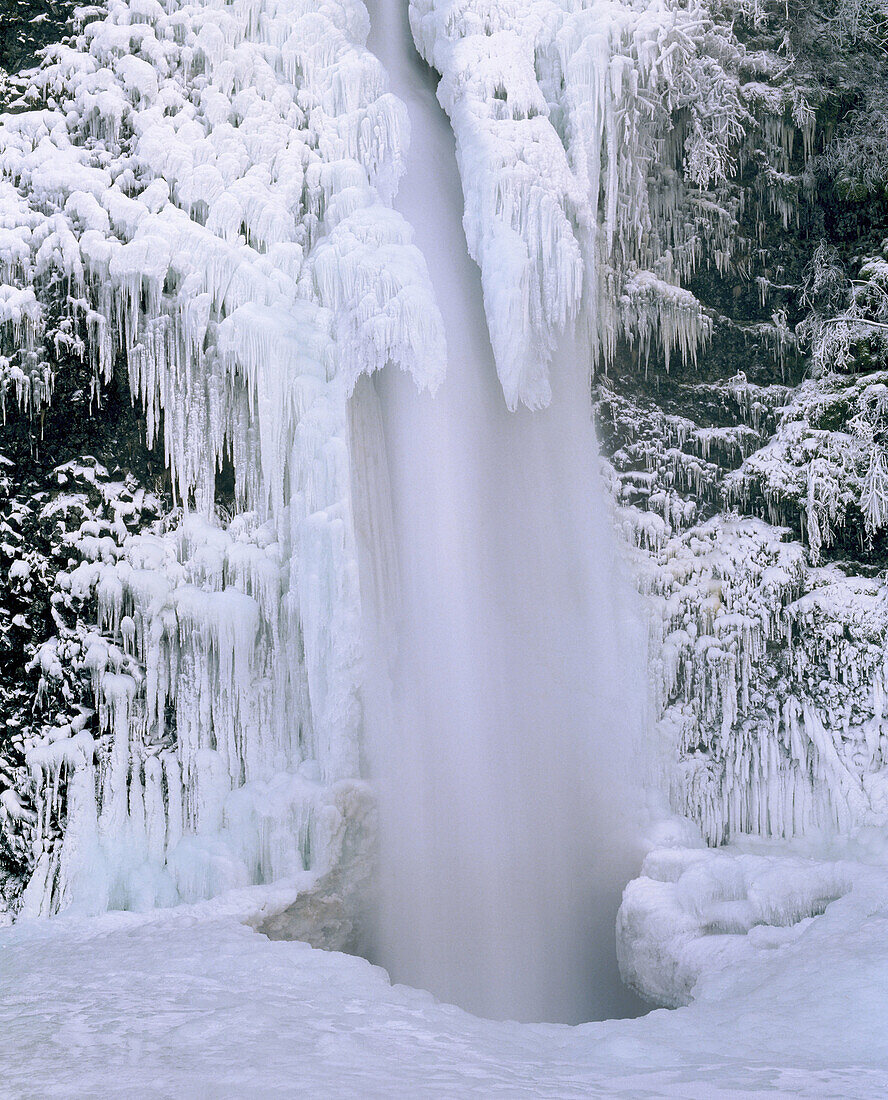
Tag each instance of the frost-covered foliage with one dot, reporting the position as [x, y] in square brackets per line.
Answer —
[823, 472]
[847, 323]
[754, 496]
[210, 181]
[28, 26]
[769, 669]
[48, 524]
[774, 680]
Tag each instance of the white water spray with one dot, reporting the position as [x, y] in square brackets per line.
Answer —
[502, 695]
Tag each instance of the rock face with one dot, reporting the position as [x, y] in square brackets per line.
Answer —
[326, 916]
[72, 464]
[28, 26]
[737, 304]
[752, 484]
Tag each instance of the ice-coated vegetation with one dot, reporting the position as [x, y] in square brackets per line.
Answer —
[576, 129]
[756, 497]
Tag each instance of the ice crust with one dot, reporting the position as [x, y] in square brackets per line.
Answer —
[211, 181]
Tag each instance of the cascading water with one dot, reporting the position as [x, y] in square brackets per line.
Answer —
[249, 274]
[503, 692]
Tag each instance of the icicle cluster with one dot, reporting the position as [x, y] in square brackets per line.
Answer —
[719, 595]
[769, 669]
[772, 683]
[215, 176]
[564, 116]
[28, 245]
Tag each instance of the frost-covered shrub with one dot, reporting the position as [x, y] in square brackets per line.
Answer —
[856, 158]
[773, 682]
[49, 521]
[798, 293]
[846, 327]
[27, 27]
[821, 473]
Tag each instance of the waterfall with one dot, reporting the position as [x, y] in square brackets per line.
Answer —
[503, 690]
[439, 570]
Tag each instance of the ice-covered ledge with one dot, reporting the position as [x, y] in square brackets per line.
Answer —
[698, 920]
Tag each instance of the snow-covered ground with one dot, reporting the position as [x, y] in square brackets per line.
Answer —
[191, 1002]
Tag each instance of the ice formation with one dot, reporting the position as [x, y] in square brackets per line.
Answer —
[210, 181]
[695, 912]
[571, 161]
[205, 191]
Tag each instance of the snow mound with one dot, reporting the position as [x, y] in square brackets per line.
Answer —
[697, 915]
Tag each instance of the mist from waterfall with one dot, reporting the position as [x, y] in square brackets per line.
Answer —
[504, 687]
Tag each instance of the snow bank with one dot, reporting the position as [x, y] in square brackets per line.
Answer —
[191, 1001]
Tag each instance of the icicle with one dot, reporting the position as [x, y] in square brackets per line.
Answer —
[237, 250]
[559, 114]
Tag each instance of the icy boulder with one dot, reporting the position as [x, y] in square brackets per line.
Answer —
[701, 913]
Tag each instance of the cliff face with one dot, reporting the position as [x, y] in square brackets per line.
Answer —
[73, 468]
[753, 483]
[744, 416]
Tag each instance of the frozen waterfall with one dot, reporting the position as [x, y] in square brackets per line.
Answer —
[437, 570]
[506, 683]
